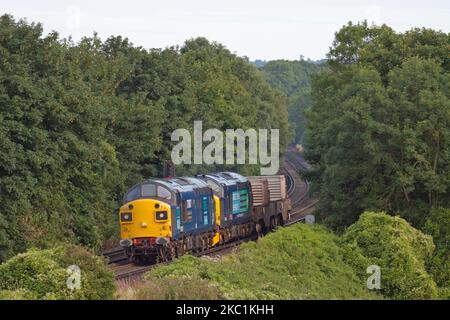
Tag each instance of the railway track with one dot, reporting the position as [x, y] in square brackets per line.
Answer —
[302, 204]
[298, 190]
[125, 271]
[115, 255]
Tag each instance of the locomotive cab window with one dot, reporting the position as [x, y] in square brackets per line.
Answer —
[164, 193]
[133, 194]
[148, 190]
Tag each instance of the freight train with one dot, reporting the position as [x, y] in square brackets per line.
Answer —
[165, 218]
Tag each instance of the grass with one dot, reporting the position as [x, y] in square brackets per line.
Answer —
[298, 262]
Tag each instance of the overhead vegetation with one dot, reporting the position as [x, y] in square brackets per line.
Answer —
[298, 262]
[293, 78]
[80, 123]
[379, 127]
[398, 249]
[42, 274]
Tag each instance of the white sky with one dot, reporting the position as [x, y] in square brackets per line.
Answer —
[259, 29]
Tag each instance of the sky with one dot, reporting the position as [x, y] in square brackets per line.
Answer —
[258, 29]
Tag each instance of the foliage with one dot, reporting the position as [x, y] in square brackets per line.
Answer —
[199, 81]
[293, 78]
[56, 158]
[379, 125]
[297, 262]
[81, 123]
[42, 274]
[397, 248]
[16, 295]
[172, 288]
[438, 225]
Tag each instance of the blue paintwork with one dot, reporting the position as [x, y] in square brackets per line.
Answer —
[228, 217]
[203, 218]
[178, 191]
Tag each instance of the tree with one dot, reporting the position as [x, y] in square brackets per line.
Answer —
[81, 123]
[56, 158]
[293, 78]
[438, 226]
[379, 125]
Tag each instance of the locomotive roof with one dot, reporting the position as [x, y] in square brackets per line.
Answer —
[187, 184]
[225, 178]
[180, 184]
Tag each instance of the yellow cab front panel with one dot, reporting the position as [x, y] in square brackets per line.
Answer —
[144, 221]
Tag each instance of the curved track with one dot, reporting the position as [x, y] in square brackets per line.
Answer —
[297, 190]
[302, 203]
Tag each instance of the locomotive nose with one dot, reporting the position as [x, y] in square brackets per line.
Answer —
[143, 218]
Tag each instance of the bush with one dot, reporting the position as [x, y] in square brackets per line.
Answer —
[178, 288]
[438, 226]
[42, 274]
[397, 248]
[17, 295]
[298, 262]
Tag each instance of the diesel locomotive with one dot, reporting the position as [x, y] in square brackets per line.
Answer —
[166, 218]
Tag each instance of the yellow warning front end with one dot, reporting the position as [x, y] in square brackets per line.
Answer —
[144, 224]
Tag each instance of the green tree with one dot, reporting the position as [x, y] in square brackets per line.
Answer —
[293, 78]
[201, 80]
[80, 123]
[55, 156]
[438, 225]
[379, 125]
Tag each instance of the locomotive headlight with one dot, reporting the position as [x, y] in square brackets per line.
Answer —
[126, 217]
[161, 215]
[144, 225]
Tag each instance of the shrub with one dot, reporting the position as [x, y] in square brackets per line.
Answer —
[42, 274]
[438, 225]
[178, 288]
[397, 248]
[298, 262]
[16, 295]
